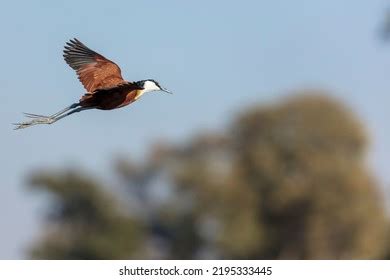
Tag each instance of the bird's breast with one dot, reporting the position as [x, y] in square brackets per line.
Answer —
[131, 97]
[138, 93]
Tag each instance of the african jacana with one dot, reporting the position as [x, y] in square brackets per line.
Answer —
[106, 89]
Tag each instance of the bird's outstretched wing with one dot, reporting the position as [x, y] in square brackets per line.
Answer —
[94, 70]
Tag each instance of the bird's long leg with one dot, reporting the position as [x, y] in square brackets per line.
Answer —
[34, 116]
[58, 117]
[50, 119]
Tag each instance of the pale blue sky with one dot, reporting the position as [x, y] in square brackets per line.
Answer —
[217, 56]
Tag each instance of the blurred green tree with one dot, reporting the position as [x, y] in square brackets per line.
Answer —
[284, 181]
[306, 159]
[85, 221]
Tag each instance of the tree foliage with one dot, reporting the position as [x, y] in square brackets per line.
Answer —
[283, 181]
[85, 220]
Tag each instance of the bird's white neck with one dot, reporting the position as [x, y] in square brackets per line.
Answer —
[150, 86]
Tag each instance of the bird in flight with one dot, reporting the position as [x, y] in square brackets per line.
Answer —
[106, 89]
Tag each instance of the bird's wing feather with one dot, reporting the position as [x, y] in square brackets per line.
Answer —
[93, 70]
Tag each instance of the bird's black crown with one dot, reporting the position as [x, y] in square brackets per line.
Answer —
[142, 82]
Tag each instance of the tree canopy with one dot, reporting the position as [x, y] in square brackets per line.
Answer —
[286, 180]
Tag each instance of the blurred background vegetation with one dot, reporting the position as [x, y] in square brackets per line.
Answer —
[286, 180]
[302, 176]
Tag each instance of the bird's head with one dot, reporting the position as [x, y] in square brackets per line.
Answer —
[151, 85]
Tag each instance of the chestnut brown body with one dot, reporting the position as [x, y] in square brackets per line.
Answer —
[111, 98]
